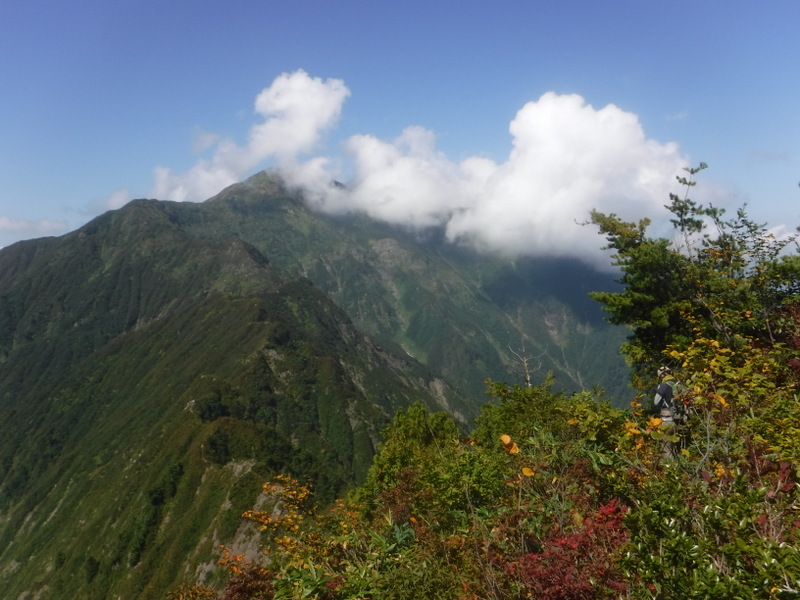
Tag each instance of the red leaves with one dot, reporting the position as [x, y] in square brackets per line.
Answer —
[579, 565]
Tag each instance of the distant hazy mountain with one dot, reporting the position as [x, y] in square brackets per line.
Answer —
[160, 362]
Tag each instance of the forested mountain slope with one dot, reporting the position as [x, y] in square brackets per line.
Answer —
[149, 380]
[468, 316]
[159, 363]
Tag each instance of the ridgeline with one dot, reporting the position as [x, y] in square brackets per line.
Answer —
[161, 362]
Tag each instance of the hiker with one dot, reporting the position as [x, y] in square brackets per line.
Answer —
[669, 410]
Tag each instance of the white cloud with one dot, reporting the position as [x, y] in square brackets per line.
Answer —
[17, 229]
[297, 110]
[118, 199]
[406, 181]
[203, 140]
[566, 159]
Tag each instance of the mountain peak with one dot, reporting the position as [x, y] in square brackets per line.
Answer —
[264, 184]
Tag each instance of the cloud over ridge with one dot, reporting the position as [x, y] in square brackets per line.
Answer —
[566, 158]
[296, 109]
[29, 228]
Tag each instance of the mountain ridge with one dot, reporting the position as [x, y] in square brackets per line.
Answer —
[140, 363]
[161, 361]
[343, 256]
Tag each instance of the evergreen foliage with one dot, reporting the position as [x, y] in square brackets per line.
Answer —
[725, 279]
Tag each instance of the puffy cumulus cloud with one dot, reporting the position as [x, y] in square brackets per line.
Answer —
[297, 110]
[566, 159]
[405, 181]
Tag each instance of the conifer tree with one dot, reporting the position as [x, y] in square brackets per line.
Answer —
[729, 279]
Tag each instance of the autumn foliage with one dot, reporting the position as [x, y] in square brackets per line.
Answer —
[544, 511]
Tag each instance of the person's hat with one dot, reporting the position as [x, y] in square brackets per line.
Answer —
[664, 371]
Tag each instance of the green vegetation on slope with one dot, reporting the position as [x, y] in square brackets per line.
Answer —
[553, 497]
[149, 381]
[560, 496]
[462, 314]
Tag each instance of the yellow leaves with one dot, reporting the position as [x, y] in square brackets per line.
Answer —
[722, 471]
[721, 400]
[510, 446]
[286, 542]
[631, 429]
[654, 422]
[259, 516]
[285, 520]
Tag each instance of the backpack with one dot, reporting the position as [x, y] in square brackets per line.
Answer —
[664, 398]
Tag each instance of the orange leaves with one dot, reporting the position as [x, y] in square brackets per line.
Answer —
[285, 520]
[720, 470]
[510, 446]
[236, 563]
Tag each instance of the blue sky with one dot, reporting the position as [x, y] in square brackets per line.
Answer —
[503, 121]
